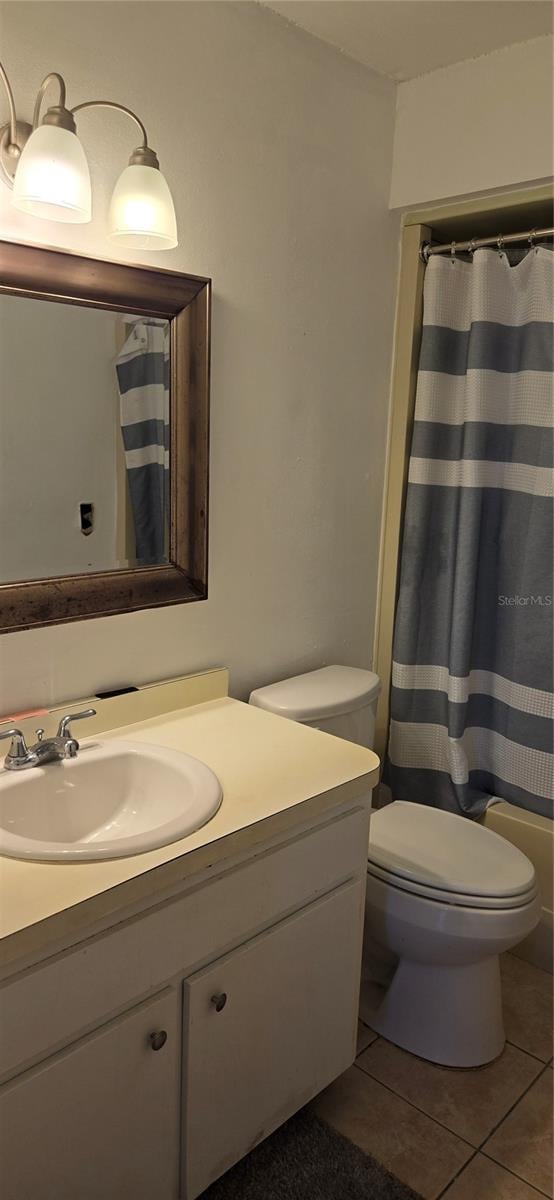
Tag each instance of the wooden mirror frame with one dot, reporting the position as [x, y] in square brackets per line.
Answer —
[185, 300]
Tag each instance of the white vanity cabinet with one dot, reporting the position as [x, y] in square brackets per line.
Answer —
[252, 970]
[266, 1028]
[99, 1120]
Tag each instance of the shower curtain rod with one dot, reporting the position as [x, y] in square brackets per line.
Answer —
[501, 240]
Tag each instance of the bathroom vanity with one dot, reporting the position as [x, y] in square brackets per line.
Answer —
[162, 1014]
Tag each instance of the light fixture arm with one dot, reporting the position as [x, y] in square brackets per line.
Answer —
[13, 135]
[143, 155]
[53, 77]
[11, 105]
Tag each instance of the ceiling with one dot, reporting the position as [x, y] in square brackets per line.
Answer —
[405, 38]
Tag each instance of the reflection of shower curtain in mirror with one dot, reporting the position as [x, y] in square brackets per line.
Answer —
[142, 369]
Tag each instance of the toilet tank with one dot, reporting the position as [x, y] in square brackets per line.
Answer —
[338, 700]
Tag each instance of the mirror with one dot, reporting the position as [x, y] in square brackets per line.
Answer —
[84, 439]
[103, 437]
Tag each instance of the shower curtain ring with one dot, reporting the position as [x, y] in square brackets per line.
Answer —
[471, 247]
[452, 252]
[500, 243]
[531, 238]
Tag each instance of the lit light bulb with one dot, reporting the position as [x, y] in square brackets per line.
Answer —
[142, 214]
[52, 178]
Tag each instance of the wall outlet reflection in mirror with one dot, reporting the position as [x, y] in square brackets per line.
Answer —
[86, 517]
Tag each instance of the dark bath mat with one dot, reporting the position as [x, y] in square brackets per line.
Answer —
[307, 1160]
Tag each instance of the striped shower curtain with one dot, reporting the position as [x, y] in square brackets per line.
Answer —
[471, 701]
[142, 370]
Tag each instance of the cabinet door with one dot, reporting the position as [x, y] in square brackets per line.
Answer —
[99, 1121]
[266, 1028]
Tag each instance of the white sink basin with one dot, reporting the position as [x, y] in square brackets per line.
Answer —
[114, 799]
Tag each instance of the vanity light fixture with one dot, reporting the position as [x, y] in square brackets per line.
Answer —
[45, 165]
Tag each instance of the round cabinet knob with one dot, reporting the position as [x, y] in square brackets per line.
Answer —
[219, 1001]
[158, 1039]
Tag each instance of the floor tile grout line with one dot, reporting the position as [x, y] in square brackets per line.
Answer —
[515, 1175]
[457, 1175]
[473, 1149]
[480, 1153]
[476, 1150]
[409, 1185]
[373, 1043]
[483, 1146]
[435, 1119]
[503, 1167]
[481, 1149]
[527, 962]
[511, 1110]
[545, 1061]
[416, 1109]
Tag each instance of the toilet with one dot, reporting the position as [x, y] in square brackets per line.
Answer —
[445, 896]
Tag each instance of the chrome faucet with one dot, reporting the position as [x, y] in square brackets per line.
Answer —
[20, 756]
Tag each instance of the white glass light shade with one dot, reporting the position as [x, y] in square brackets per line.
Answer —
[52, 178]
[142, 215]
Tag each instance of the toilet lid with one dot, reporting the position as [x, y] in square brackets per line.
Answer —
[440, 850]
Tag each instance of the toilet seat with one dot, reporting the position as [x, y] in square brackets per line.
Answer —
[448, 897]
[447, 858]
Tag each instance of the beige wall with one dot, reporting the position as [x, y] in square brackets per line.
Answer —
[481, 124]
[278, 150]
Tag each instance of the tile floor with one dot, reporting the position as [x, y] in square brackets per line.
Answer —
[483, 1134]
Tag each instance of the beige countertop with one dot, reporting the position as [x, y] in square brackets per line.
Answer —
[267, 767]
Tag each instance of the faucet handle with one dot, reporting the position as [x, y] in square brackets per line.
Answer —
[18, 751]
[63, 727]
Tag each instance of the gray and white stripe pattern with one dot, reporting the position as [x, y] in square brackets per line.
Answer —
[142, 369]
[472, 711]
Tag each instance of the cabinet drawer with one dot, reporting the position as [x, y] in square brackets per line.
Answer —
[286, 1029]
[100, 1120]
[58, 1001]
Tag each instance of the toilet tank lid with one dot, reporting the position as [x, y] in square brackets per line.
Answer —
[327, 692]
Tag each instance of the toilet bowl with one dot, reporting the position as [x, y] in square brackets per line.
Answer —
[445, 896]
